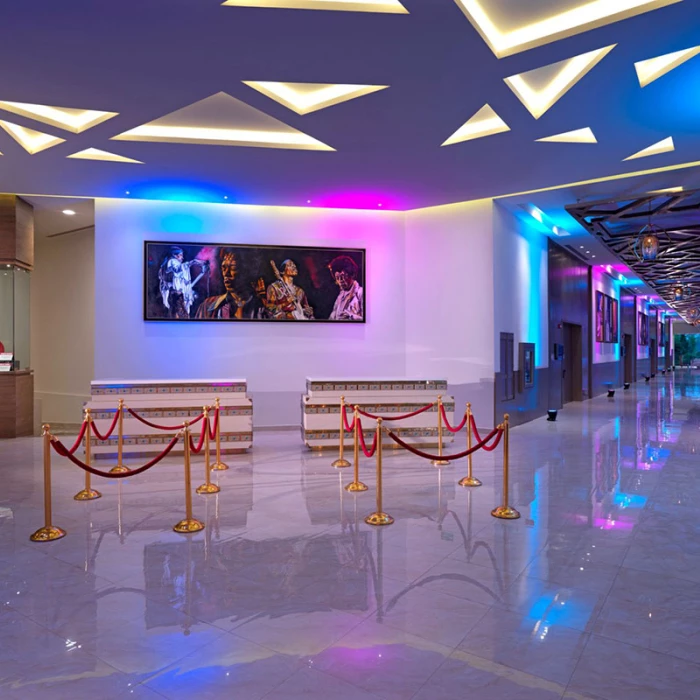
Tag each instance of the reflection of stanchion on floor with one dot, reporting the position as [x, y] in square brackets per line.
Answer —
[379, 517]
[120, 468]
[505, 511]
[355, 486]
[49, 531]
[189, 524]
[120, 526]
[379, 591]
[207, 486]
[439, 462]
[469, 479]
[219, 466]
[341, 461]
[88, 493]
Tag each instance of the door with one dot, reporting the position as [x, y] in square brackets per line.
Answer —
[653, 354]
[572, 366]
[629, 349]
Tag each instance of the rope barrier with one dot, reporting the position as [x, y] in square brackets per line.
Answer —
[425, 455]
[62, 450]
[164, 427]
[348, 427]
[489, 448]
[107, 435]
[447, 422]
[80, 437]
[200, 444]
[213, 425]
[363, 445]
[407, 415]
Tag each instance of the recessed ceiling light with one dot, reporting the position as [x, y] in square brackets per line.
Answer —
[582, 247]
[593, 256]
[74, 120]
[484, 123]
[68, 212]
[31, 141]
[664, 146]
[653, 68]
[587, 252]
[390, 6]
[585, 135]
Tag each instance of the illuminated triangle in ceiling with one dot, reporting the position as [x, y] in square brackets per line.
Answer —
[484, 123]
[390, 6]
[74, 120]
[222, 120]
[31, 141]
[664, 146]
[97, 154]
[304, 98]
[585, 135]
[541, 88]
[651, 69]
[508, 34]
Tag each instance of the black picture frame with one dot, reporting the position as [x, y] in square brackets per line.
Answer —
[643, 333]
[606, 326]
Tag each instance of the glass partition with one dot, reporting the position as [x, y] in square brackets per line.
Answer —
[14, 318]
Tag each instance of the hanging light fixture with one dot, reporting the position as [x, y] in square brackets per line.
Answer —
[646, 245]
[694, 315]
[678, 293]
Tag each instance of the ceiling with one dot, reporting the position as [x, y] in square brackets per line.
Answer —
[145, 59]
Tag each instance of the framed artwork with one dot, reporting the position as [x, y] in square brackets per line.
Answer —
[527, 365]
[614, 324]
[232, 283]
[599, 317]
[643, 329]
[606, 327]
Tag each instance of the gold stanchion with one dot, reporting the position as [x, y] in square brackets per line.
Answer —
[469, 479]
[207, 486]
[379, 517]
[356, 485]
[439, 462]
[49, 532]
[120, 468]
[189, 524]
[505, 511]
[341, 461]
[88, 493]
[219, 466]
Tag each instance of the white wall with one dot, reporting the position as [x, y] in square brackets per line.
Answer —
[274, 358]
[62, 324]
[448, 302]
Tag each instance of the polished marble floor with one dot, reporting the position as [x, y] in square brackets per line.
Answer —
[287, 593]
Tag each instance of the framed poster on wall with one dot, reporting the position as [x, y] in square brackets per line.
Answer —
[643, 329]
[232, 282]
[599, 317]
[606, 318]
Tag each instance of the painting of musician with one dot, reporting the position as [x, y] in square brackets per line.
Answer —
[176, 284]
[284, 300]
[349, 304]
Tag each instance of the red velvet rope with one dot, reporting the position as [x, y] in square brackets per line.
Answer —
[425, 455]
[109, 432]
[200, 444]
[478, 437]
[164, 427]
[406, 415]
[80, 437]
[214, 425]
[363, 445]
[348, 427]
[62, 450]
[447, 423]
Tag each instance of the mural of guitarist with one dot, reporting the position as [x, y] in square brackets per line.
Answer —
[284, 300]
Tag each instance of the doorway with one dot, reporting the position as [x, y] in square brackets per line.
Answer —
[653, 354]
[572, 366]
[628, 349]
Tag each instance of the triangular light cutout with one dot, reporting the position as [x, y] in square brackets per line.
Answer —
[484, 123]
[304, 98]
[585, 135]
[97, 154]
[387, 6]
[31, 141]
[541, 88]
[222, 120]
[74, 120]
[653, 68]
[664, 146]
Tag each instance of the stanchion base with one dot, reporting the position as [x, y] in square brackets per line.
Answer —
[219, 467]
[208, 488]
[505, 512]
[47, 534]
[379, 519]
[469, 481]
[192, 525]
[340, 463]
[440, 463]
[87, 495]
[119, 469]
[356, 487]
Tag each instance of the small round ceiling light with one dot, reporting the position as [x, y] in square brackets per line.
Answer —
[68, 212]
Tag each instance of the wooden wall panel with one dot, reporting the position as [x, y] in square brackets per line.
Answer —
[17, 405]
[16, 231]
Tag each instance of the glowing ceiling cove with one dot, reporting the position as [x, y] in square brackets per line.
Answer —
[390, 6]
[484, 123]
[304, 98]
[653, 68]
[664, 146]
[31, 141]
[584, 135]
[97, 154]
[74, 120]
[541, 88]
[576, 18]
[222, 120]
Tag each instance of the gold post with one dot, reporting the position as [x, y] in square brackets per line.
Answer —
[341, 461]
[189, 524]
[88, 493]
[379, 517]
[439, 462]
[120, 468]
[505, 511]
[219, 466]
[469, 479]
[356, 485]
[48, 532]
[207, 486]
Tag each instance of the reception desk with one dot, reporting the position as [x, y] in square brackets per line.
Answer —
[320, 408]
[169, 402]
